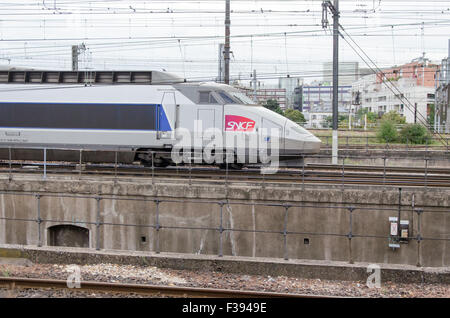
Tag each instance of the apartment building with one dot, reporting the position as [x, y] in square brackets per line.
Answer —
[408, 89]
[321, 95]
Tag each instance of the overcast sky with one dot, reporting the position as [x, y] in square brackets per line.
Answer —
[274, 37]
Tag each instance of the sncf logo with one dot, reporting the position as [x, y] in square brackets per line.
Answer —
[238, 123]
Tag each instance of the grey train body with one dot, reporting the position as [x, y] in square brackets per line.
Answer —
[134, 122]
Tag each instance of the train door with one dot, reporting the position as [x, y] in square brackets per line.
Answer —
[207, 119]
[269, 130]
[210, 112]
[167, 118]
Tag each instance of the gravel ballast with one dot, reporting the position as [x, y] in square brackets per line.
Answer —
[155, 276]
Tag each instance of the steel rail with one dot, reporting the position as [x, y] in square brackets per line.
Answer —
[393, 148]
[432, 181]
[337, 179]
[283, 170]
[318, 166]
[313, 173]
[155, 290]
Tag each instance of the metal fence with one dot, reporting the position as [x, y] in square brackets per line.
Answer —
[299, 174]
[372, 143]
[439, 128]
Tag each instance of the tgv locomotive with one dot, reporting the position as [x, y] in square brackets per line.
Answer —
[65, 112]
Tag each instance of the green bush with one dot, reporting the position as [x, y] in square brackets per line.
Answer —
[295, 115]
[274, 106]
[387, 132]
[395, 117]
[414, 134]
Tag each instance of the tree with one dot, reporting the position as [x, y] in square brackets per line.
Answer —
[295, 115]
[328, 121]
[371, 117]
[273, 105]
[387, 132]
[414, 134]
[394, 117]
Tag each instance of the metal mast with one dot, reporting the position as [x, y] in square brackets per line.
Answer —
[255, 99]
[335, 80]
[75, 52]
[220, 64]
[227, 42]
[334, 8]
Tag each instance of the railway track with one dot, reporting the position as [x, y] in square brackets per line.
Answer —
[14, 283]
[393, 148]
[310, 173]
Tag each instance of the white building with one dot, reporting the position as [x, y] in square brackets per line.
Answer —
[321, 95]
[378, 98]
[317, 117]
[289, 84]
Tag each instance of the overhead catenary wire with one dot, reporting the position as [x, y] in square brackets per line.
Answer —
[185, 15]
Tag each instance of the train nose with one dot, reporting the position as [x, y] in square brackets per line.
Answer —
[300, 144]
[311, 144]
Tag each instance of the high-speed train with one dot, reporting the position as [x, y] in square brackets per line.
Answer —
[144, 120]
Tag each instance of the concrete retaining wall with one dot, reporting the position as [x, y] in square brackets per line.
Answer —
[254, 223]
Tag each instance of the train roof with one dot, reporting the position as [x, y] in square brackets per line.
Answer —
[88, 77]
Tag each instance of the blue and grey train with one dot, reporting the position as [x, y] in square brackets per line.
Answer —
[135, 113]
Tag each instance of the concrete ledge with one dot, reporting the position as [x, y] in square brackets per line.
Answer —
[173, 188]
[15, 261]
[239, 265]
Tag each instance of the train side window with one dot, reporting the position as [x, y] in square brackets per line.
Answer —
[207, 98]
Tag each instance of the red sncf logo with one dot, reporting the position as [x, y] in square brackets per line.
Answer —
[238, 123]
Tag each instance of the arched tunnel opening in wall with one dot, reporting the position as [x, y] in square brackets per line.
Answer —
[68, 235]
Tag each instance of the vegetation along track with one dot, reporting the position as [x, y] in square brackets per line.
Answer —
[12, 283]
[310, 173]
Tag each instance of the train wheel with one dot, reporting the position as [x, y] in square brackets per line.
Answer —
[158, 161]
[156, 164]
[231, 166]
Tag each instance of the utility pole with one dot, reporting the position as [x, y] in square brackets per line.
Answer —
[76, 51]
[227, 42]
[436, 79]
[334, 8]
[447, 77]
[220, 76]
[350, 119]
[75, 57]
[415, 113]
[255, 99]
[335, 80]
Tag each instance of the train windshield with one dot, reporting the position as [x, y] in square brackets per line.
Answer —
[244, 99]
[236, 97]
[227, 98]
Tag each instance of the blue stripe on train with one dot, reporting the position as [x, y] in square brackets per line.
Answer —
[164, 124]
